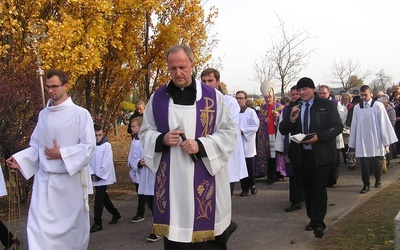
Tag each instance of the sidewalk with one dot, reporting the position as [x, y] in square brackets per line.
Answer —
[263, 223]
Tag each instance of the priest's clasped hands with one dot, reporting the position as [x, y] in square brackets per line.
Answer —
[173, 137]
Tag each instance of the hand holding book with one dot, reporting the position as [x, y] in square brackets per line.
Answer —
[301, 138]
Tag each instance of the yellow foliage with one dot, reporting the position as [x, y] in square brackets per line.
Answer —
[108, 48]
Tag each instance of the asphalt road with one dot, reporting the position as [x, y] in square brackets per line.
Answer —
[263, 223]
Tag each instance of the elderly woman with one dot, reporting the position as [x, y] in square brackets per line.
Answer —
[346, 100]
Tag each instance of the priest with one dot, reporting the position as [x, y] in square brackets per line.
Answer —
[187, 136]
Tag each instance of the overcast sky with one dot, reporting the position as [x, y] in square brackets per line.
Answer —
[365, 31]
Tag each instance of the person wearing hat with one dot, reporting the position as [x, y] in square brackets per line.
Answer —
[265, 160]
[319, 116]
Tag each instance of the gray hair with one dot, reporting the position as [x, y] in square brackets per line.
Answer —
[177, 48]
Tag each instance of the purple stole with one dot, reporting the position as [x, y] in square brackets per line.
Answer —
[204, 184]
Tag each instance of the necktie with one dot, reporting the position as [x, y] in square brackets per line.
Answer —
[366, 105]
[305, 119]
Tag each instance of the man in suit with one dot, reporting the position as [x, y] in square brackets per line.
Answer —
[316, 154]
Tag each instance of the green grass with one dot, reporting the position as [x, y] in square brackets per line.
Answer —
[369, 226]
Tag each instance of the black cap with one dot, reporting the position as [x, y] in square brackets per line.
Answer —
[305, 82]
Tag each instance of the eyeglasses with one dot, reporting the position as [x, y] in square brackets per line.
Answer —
[240, 98]
[52, 87]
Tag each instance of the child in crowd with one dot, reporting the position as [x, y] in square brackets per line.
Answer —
[103, 174]
[141, 175]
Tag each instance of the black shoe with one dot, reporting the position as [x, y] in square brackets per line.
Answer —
[154, 238]
[293, 207]
[253, 189]
[115, 218]
[364, 190]
[378, 184]
[244, 193]
[309, 227]
[137, 218]
[318, 232]
[270, 181]
[95, 228]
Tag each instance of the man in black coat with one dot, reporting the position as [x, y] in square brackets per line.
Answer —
[316, 154]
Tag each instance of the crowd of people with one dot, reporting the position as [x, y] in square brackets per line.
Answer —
[190, 144]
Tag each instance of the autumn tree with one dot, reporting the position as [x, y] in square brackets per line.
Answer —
[381, 82]
[108, 48]
[347, 74]
[286, 58]
[143, 42]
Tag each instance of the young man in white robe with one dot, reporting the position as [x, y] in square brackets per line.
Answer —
[371, 131]
[103, 174]
[61, 146]
[187, 136]
[248, 123]
[236, 163]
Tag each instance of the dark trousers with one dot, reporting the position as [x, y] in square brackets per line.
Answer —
[142, 201]
[101, 200]
[368, 163]
[334, 171]
[5, 235]
[249, 181]
[232, 185]
[149, 201]
[218, 244]
[271, 172]
[314, 180]
[296, 193]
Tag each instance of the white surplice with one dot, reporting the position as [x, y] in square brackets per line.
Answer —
[237, 163]
[3, 189]
[249, 123]
[102, 165]
[218, 146]
[135, 154]
[144, 175]
[371, 130]
[343, 116]
[58, 214]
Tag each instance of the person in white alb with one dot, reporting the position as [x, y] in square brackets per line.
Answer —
[371, 131]
[236, 163]
[248, 123]
[146, 176]
[103, 174]
[61, 147]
